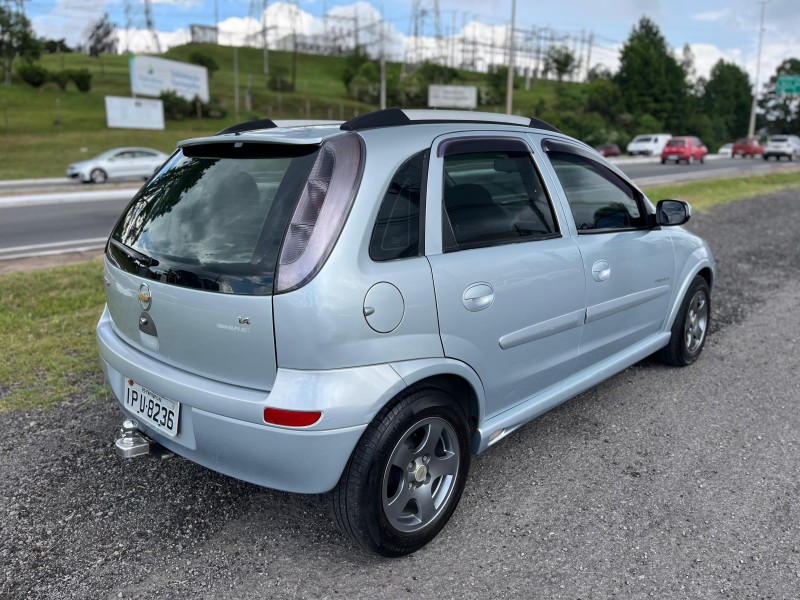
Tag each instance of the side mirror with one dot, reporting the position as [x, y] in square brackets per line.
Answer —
[672, 212]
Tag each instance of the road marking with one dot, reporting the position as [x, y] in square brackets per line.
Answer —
[52, 248]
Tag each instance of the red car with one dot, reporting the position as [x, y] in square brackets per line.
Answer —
[744, 147]
[608, 149]
[684, 148]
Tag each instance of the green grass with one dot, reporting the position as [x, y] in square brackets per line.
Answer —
[43, 130]
[702, 195]
[47, 321]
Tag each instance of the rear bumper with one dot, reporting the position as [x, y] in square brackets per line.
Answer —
[220, 425]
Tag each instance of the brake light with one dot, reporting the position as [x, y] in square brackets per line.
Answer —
[321, 212]
[291, 418]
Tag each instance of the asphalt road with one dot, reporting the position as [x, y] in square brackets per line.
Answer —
[659, 483]
[60, 221]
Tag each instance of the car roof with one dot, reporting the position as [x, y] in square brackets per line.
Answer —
[435, 122]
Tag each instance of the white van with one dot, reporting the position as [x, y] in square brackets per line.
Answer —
[648, 144]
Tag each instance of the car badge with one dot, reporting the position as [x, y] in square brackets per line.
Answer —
[144, 296]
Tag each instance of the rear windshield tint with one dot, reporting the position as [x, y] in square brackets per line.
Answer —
[674, 143]
[641, 139]
[778, 139]
[214, 217]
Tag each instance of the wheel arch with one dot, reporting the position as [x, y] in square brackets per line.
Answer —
[452, 376]
[703, 267]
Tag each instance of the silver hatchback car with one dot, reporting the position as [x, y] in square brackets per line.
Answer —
[355, 309]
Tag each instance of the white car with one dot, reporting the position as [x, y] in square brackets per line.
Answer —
[726, 150]
[118, 163]
[648, 144]
[782, 146]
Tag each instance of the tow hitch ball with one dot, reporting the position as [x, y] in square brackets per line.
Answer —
[131, 442]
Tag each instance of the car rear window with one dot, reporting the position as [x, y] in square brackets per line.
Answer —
[214, 217]
[675, 142]
[641, 139]
[778, 140]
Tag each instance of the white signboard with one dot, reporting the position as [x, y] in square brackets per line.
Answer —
[151, 76]
[134, 113]
[453, 96]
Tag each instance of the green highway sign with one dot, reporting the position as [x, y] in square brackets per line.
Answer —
[788, 84]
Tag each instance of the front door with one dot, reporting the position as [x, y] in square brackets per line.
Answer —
[628, 265]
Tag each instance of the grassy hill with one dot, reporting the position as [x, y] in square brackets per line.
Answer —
[43, 130]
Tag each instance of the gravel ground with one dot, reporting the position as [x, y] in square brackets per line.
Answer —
[663, 483]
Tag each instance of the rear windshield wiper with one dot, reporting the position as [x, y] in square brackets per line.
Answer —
[140, 259]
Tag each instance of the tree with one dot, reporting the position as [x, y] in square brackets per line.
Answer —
[727, 99]
[55, 46]
[16, 40]
[650, 78]
[561, 61]
[352, 63]
[101, 37]
[781, 113]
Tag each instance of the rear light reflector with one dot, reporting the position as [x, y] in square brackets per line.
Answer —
[291, 418]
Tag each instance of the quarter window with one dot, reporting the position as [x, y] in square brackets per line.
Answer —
[598, 198]
[396, 232]
[494, 197]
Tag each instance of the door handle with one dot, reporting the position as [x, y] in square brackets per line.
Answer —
[478, 296]
[601, 270]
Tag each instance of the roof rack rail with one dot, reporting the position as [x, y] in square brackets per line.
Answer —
[248, 126]
[395, 117]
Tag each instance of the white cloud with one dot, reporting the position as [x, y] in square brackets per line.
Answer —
[69, 21]
[711, 15]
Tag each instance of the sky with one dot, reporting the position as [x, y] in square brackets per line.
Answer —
[714, 29]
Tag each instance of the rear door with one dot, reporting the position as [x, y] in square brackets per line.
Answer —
[509, 285]
[628, 266]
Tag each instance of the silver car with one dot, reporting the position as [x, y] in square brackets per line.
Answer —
[357, 309]
[118, 163]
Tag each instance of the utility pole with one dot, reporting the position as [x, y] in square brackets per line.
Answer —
[264, 36]
[236, 81]
[751, 129]
[510, 79]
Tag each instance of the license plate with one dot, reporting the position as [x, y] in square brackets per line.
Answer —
[673, 157]
[157, 411]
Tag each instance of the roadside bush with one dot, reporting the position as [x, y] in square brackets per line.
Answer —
[60, 78]
[278, 80]
[82, 79]
[204, 60]
[214, 109]
[176, 108]
[33, 74]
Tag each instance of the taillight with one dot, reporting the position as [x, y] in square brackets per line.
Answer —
[291, 418]
[321, 212]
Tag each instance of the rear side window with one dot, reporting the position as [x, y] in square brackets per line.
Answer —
[396, 232]
[214, 218]
[494, 198]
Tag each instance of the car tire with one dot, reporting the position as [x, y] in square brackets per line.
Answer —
[690, 328]
[98, 176]
[663, 161]
[390, 499]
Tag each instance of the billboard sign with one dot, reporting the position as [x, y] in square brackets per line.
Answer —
[453, 96]
[134, 113]
[150, 76]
